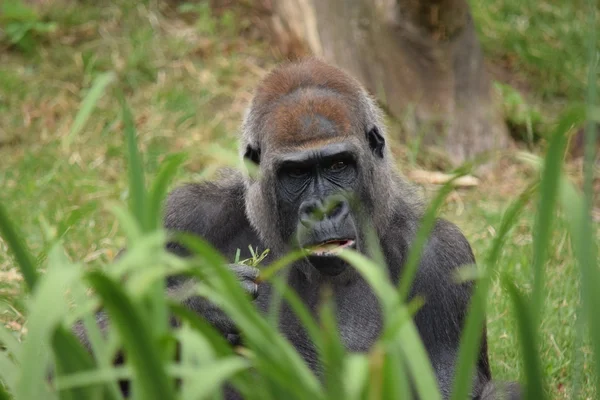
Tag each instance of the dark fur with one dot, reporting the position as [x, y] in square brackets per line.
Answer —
[307, 106]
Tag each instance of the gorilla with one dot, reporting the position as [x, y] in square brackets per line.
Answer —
[326, 174]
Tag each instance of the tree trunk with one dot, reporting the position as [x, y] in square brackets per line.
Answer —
[420, 58]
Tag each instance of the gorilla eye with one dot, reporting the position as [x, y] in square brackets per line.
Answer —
[337, 166]
[297, 173]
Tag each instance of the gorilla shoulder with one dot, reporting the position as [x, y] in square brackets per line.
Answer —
[214, 211]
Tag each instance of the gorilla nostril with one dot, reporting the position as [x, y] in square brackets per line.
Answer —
[310, 212]
[338, 209]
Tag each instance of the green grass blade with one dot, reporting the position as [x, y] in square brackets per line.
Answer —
[9, 342]
[48, 308]
[404, 333]
[534, 384]
[88, 104]
[25, 260]
[71, 357]
[395, 376]
[8, 371]
[135, 333]
[167, 171]
[418, 243]
[201, 326]
[585, 248]
[356, 375]
[587, 251]
[135, 168]
[94, 377]
[68, 352]
[299, 308]
[206, 380]
[278, 359]
[332, 350]
[4, 393]
[471, 337]
[548, 193]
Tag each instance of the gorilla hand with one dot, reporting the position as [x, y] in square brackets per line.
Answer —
[247, 277]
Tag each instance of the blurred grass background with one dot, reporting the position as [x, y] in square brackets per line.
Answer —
[188, 70]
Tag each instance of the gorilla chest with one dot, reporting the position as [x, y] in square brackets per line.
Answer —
[358, 316]
[357, 313]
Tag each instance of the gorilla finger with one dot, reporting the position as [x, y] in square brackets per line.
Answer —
[220, 321]
[250, 288]
[233, 339]
[245, 271]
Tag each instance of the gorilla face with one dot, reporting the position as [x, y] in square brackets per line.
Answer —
[314, 188]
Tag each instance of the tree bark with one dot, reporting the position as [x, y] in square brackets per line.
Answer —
[420, 58]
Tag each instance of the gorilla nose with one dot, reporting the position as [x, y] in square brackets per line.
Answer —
[333, 209]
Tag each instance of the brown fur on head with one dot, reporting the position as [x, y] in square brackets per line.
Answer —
[285, 105]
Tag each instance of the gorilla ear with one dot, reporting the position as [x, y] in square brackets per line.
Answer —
[376, 141]
[252, 154]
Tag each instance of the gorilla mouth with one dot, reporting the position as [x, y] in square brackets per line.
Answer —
[331, 247]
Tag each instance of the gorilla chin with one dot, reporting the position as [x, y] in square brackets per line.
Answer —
[324, 256]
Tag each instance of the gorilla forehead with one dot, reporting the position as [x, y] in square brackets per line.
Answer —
[310, 72]
[307, 118]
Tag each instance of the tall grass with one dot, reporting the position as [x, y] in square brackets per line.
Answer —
[50, 363]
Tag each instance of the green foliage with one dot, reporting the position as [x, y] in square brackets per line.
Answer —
[538, 332]
[22, 26]
[547, 39]
[523, 119]
[269, 367]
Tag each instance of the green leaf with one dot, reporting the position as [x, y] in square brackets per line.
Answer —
[93, 377]
[71, 357]
[135, 333]
[167, 171]
[471, 336]
[398, 326]
[48, 308]
[584, 242]
[3, 393]
[25, 260]
[420, 240]
[8, 372]
[548, 192]
[88, 104]
[135, 168]
[276, 357]
[534, 384]
[207, 379]
[332, 350]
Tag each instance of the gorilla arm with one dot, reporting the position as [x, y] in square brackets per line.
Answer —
[440, 321]
[215, 212]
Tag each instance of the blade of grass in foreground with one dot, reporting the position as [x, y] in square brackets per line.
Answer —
[333, 351]
[8, 371]
[71, 357]
[276, 358]
[405, 334]
[587, 253]
[146, 210]
[417, 245]
[585, 249]
[534, 387]
[25, 260]
[548, 193]
[135, 333]
[135, 168]
[3, 393]
[471, 337]
[88, 104]
[167, 171]
[47, 310]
